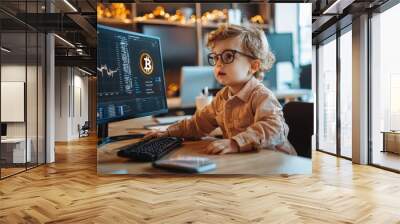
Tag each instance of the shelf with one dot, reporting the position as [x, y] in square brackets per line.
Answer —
[215, 25]
[162, 22]
[115, 21]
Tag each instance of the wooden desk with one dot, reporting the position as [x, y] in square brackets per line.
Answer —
[13, 150]
[256, 163]
[287, 95]
[391, 141]
[263, 162]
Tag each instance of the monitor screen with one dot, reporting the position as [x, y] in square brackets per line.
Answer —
[193, 81]
[281, 45]
[3, 129]
[178, 44]
[130, 75]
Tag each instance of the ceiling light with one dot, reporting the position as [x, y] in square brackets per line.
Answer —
[5, 49]
[86, 72]
[70, 5]
[337, 7]
[65, 41]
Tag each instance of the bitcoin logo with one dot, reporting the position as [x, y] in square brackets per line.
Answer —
[146, 63]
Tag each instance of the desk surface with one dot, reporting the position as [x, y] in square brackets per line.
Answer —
[257, 163]
[13, 140]
[285, 94]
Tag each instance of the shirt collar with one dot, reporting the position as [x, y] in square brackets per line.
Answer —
[245, 93]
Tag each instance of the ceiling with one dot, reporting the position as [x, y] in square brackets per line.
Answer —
[79, 26]
[330, 15]
[72, 20]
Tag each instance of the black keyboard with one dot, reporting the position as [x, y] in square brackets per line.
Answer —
[151, 149]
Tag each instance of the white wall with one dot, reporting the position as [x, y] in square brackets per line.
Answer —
[16, 73]
[71, 94]
[33, 126]
[80, 112]
[50, 96]
[62, 81]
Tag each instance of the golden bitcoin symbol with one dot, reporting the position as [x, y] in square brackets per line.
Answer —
[146, 63]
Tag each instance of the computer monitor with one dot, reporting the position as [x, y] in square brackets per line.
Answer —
[281, 44]
[130, 75]
[178, 44]
[3, 129]
[193, 81]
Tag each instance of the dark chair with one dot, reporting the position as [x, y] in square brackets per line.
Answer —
[84, 130]
[299, 116]
[305, 77]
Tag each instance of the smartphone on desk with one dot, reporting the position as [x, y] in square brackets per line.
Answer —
[186, 164]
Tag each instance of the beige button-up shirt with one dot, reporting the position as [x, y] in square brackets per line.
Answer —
[253, 118]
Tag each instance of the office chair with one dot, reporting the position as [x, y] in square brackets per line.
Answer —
[84, 130]
[299, 116]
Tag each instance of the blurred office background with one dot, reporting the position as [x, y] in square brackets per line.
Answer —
[183, 42]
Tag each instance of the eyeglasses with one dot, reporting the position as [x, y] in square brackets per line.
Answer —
[227, 56]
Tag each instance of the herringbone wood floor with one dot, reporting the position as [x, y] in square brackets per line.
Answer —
[70, 191]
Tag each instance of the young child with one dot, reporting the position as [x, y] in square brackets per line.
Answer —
[248, 113]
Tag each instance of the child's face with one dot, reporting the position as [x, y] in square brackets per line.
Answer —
[236, 73]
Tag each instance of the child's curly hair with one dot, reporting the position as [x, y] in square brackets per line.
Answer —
[254, 42]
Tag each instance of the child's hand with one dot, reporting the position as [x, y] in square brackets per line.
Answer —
[155, 134]
[223, 146]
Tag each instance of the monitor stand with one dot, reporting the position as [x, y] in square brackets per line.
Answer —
[102, 134]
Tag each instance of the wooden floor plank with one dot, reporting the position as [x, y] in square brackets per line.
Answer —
[69, 191]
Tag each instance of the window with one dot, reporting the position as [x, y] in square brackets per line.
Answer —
[385, 88]
[327, 97]
[305, 33]
[346, 94]
[22, 77]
